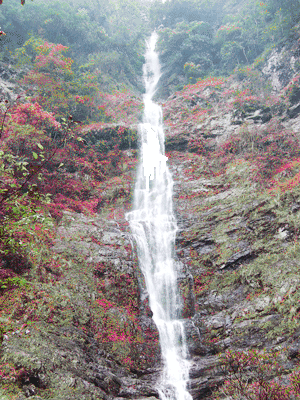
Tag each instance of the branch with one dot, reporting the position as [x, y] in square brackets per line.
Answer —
[12, 193]
[7, 108]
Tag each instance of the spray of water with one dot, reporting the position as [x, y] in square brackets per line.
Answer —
[154, 227]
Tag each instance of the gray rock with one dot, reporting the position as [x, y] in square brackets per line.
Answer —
[294, 111]
[193, 339]
[262, 303]
[29, 390]
[276, 69]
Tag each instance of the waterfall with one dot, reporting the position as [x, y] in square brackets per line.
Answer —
[154, 227]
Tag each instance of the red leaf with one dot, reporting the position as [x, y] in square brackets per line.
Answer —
[22, 2]
[1, 1]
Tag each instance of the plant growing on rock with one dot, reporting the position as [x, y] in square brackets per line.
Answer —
[118, 328]
[188, 107]
[244, 102]
[251, 374]
[276, 147]
[196, 145]
[292, 90]
[269, 147]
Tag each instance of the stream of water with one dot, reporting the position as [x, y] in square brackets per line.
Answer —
[154, 227]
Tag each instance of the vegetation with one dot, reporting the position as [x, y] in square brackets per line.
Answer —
[231, 35]
[86, 32]
[64, 144]
[250, 373]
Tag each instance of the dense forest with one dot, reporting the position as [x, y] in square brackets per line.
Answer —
[70, 103]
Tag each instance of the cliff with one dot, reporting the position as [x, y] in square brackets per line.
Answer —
[237, 209]
[75, 319]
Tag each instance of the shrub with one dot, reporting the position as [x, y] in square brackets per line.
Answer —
[268, 147]
[292, 90]
[197, 145]
[250, 374]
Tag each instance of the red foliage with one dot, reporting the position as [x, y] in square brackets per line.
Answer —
[250, 375]
[295, 381]
[120, 106]
[51, 56]
[178, 113]
[272, 148]
[6, 273]
[277, 147]
[245, 101]
[33, 114]
[55, 211]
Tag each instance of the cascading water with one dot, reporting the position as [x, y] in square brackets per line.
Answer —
[154, 227]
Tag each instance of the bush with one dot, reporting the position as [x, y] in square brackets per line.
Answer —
[250, 374]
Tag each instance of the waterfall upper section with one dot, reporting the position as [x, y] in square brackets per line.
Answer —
[154, 227]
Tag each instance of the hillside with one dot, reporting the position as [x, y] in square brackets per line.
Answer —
[75, 322]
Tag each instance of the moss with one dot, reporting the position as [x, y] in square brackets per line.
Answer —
[65, 304]
[236, 211]
[9, 392]
[68, 387]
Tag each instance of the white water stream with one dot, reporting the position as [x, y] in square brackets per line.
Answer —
[154, 227]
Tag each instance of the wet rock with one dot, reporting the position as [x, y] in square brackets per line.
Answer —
[218, 321]
[202, 242]
[213, 301]
[186, 286]
[237, 121]
[260, 116]
[295, 96]
[176, 143]
[193, 339]
[107, 381]
[199, 388]
[147, 323]
[145, 306]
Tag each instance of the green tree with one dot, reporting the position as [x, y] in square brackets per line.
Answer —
[186, 43]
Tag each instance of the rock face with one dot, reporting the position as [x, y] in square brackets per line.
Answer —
[238, 242]
[242, 263]
[68, 355]
[9, 89]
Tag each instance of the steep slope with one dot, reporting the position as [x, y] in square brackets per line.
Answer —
[234, 152]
